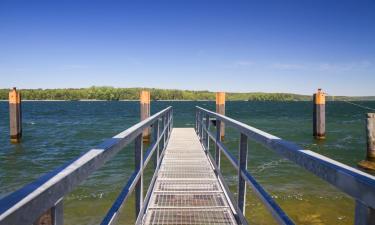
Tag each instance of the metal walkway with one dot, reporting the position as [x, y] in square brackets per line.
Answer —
[187, 186]
[187, 190]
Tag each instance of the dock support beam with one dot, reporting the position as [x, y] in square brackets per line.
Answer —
[15, 116]
[145, 112]
[242, 167]
[319, 115]
[138, 155]
[369, 162]
[220, 109]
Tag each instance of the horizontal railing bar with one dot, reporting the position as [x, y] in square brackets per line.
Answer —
[351, 181]
[112, 214]
[274, 208]
[28, 203]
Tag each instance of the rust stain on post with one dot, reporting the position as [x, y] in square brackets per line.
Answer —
[15, 116]
[220, 108]
[369, 163]
[319, 114]
[145, 112]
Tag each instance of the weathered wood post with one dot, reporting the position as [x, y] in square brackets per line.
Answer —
[138, 156]
[242, 166]
[369, 162]
[319, 114]
[145, 112]
[15, 116]
[220, 109]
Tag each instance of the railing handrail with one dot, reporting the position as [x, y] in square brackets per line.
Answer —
[353, 182]
[25, 205]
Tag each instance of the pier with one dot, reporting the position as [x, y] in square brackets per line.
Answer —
[187, 186]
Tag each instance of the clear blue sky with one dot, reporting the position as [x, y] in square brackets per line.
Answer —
[245, 46]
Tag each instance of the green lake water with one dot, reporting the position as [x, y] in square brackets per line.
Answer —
[57, 132]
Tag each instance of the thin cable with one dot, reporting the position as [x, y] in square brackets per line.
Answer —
[352, 103]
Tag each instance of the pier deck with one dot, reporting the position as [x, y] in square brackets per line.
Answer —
[187, 190]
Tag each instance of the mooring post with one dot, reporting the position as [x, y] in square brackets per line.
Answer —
[155, 137]
[217, 148]
[145, 112]
[15, 116]
[242, 167]
[220, 109]
[207, 137]
[138, 155]
[369, 162]
[364, 215]
[319, 114]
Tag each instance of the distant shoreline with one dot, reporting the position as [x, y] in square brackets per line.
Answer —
[93, 94]
[98, 100]
[174, 100]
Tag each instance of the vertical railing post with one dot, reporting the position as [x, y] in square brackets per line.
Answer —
[53, 216]
[206, 137]
[165, 131]
[58, 213]
[155, 137]
[242, 167]
[364, 215]
[197, 121]
[217, 149]
[166, 127]
[196, 124]
[138, 152]
[171, 122]
[201, 126]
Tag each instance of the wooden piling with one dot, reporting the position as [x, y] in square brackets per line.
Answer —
[369, 163]
[15, 116]
[145, 112]
[319, 114]
[220, 109]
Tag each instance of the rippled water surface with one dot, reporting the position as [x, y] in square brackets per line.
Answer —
[57, 132]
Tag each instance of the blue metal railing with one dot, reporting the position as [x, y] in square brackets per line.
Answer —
[44, 197]
[353, 182]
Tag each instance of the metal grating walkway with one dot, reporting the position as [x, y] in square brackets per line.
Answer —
[186, 190]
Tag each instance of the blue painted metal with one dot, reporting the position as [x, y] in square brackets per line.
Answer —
[355, 183]
[115, 209]
[20, 208]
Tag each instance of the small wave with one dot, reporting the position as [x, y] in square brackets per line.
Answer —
[268, 165]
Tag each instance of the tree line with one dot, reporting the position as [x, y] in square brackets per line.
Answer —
[111, 93]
